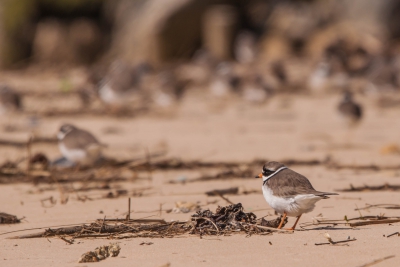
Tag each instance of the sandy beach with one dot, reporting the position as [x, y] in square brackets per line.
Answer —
[300, 128]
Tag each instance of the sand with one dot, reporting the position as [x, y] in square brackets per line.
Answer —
[300, 127]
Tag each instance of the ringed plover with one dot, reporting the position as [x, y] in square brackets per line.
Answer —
[78, 146]
[288, 192]
[121, 84]
[349, 109]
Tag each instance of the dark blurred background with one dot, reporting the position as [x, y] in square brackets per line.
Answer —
[277, 45]
[85, 32]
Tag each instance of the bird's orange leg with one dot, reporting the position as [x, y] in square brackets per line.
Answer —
[294, 225]
[282, 220]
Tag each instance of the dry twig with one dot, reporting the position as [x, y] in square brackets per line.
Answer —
[331, 242]
[367, 188]
[382, 206]
[377, 261]
[396, 233]
[352, 222]
[226, 220]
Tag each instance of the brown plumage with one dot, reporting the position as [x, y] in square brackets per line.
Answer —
[121, 77]
[79, 146]
[288, 183]
[77, 138]
[122, 84]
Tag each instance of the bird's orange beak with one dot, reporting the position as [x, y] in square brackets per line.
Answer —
[259, 176]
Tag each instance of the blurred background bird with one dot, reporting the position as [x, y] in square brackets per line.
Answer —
[224, 81]
[349, 110]
[79, 146]
[254, 90]
[122, 84]
[245, 47]
[10, 100]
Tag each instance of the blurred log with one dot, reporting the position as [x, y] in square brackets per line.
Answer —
[16, 30]
[220, 24]
[156, 31]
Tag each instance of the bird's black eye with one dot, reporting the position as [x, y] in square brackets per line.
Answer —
[264, 171]
[267, 172]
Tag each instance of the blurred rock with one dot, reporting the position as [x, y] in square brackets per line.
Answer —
[21, 20]
[75, 43]
[51, 42]
[86, 40]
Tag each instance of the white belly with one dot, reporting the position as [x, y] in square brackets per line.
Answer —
[109, 96]
[86, 156]
[293, 206]
[74, 155]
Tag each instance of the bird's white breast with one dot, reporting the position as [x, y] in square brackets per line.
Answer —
[293, 206]
[74, 155]
[108, 95]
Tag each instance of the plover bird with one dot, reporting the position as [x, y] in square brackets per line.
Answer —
[167, 90]
[78, 146]
[224, 80]
[10, 101]
[350, 110]
[319, 78]
[245, 47]
[254, 89]
[122, 83]
[287, 192]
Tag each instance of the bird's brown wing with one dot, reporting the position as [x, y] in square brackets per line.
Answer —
[80, 139]
[288, 183]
